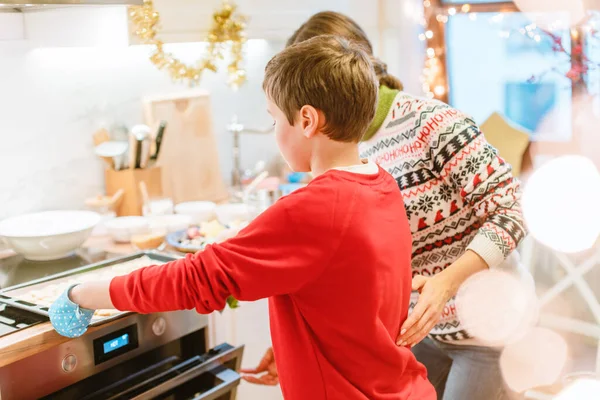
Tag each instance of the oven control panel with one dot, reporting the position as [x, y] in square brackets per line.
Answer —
[115, 344]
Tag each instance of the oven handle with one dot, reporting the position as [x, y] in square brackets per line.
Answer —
[231, 379]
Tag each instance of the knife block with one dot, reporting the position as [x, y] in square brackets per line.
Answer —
[129, 180]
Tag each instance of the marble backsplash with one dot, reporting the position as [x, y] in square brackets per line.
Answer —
[53, 99]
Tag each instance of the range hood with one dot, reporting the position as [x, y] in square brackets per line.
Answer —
[24, 5]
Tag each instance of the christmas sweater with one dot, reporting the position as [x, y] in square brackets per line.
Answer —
[458, 192]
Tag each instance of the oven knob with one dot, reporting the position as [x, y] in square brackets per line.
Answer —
[159, 326]
[69, 363]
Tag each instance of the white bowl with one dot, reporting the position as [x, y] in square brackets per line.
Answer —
[228, 213]
[48, 235]
[169, 223]
[200, 211]
[123, 228]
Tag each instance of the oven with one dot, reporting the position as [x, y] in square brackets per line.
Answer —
[155, 356]
[130, 356]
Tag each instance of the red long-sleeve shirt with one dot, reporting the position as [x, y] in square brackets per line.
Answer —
[334, 259]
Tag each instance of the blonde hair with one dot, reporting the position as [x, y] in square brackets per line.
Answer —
[331, 74]
[333, 23]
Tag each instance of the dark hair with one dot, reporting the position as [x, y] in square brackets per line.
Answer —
[331, 74]
[333, 23]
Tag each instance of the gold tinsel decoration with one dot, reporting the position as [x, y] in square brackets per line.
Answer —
[227, 27]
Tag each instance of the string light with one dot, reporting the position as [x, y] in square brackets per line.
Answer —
[434, 83]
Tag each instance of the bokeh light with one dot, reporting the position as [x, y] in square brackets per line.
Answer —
[497, 307]
[537, 359]
[560, 204]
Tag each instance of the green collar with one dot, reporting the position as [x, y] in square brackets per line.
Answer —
[386, 99]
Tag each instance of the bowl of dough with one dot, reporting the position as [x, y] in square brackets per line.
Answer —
[48, 235]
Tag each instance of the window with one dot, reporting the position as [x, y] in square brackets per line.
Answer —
[501, 62]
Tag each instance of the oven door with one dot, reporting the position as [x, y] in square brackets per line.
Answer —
[192, 379]
[209, 376]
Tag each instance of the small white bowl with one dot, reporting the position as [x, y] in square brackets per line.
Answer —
[123, 228]
[228, 213]
[169, 223]
[200, 211]
[48, 235]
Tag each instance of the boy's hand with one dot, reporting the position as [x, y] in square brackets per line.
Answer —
[67, 318]
[267, 365]
[434, 294]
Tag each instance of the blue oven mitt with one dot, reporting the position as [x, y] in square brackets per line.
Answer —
[67, 318]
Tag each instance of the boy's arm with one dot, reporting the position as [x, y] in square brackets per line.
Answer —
[275, 254]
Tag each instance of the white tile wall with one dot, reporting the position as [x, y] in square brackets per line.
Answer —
[53, 99]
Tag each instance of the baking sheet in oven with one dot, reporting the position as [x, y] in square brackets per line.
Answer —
[37, 296]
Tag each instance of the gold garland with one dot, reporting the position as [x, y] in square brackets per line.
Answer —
[226, 27]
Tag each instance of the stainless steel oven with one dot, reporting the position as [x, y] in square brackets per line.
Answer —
[154, 356]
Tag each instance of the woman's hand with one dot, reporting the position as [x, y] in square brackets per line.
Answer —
[434, 294]
[267, 365]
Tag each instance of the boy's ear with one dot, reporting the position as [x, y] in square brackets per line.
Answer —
[312, 121]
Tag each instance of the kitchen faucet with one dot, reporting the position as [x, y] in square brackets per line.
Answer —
[236, 129]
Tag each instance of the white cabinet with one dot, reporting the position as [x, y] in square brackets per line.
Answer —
[182, 21]
[247, 325]
[12, 26]
[82, 26]
[190, 20]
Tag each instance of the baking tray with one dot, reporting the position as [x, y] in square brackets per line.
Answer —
[10, 295]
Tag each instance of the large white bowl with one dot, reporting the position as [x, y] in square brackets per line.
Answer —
[48, 235]
[123, 228]
[200, 211]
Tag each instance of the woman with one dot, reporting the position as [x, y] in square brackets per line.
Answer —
[463, 206]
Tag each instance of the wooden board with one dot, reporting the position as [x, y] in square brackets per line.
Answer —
[188, 155]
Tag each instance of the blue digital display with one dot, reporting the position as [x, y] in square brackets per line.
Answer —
[116, 343]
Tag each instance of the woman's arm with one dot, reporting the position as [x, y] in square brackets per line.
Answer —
[463, 157]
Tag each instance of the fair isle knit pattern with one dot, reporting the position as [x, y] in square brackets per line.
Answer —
[458, 193]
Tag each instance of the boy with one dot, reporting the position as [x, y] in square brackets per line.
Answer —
[333, 281]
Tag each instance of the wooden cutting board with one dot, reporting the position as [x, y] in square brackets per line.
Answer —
[188, 154]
